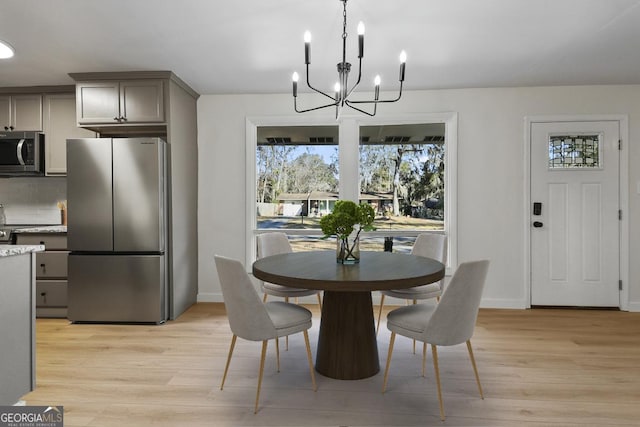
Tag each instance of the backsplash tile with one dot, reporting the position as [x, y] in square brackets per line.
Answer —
[33, 200]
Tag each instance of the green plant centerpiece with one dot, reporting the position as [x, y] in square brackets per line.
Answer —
[347, 217]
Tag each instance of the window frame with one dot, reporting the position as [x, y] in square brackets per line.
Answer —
[349, 188]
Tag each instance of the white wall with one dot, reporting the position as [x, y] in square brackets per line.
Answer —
[490, 172]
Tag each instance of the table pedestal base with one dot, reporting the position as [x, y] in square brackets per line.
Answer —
[347, 346]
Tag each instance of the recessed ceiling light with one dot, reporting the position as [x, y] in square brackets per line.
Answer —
[6, 51]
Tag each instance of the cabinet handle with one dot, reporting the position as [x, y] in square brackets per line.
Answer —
[10, 127]
[44, 297]
[117, 119]
[123, 118]
[44, 268]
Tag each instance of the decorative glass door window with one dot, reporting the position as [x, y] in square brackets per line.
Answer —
[575, 151]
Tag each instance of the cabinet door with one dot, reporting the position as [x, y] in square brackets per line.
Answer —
[26, 112]
[60, 124]
[98, 102]
[141, 101]
[5, 112]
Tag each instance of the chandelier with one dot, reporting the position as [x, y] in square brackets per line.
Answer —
[341, 89]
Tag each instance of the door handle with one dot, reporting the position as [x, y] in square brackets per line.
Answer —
[537, 224]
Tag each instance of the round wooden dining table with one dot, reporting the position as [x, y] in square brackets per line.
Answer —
[347, 347]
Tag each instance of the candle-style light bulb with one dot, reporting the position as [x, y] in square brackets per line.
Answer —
[360, 39]
[376, 82]
[336, 89]
[6, 51]
[403, 60]
[307, 47]
[295, 77]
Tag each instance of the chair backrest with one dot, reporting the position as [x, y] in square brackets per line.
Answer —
[273, 244]
[431, 245]
[455, 316]
[248, 318]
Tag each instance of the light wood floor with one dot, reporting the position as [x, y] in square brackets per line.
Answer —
[538, 367]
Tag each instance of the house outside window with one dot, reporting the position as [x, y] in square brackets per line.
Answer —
[403, 170]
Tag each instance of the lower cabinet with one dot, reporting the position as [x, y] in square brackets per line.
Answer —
[17, 329]
[51, 272]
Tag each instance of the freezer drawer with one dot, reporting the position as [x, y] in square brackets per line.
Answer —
[117, 288]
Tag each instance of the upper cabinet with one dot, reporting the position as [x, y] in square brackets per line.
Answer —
[60, 124]
[21, 112]
[120, 102]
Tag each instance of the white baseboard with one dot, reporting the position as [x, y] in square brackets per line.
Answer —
[503, 303]
[210, 297]
[485, 303]
[633, 306]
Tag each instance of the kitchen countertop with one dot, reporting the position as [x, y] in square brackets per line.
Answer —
[10, 250]
[42, 229]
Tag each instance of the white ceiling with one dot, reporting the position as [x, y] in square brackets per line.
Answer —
[253, 46]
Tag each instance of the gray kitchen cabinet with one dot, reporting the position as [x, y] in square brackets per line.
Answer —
[168, 107]
[60, 124]
[21, 112]
[51, 272]
[17, 327]
[5, 111]
[120, 102]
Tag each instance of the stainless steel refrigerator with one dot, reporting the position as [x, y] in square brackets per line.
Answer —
[117, 230]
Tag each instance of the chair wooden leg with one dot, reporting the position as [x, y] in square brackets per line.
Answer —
[475, 369]
[386, 369]
[226, 368]
[319, 301]
[313, 375]
[264, 298]
[278, 353]
[380, 314]
[415, 301]
[262, 356]
[424, 357]
[434, 351]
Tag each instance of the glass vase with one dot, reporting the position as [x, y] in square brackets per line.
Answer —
[348, 250]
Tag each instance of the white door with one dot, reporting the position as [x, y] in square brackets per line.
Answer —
[575, 228]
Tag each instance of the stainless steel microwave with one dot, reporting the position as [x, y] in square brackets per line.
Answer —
[21, 153]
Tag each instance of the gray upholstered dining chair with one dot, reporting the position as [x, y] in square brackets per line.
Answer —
[253, 320]
[429, 245]
[276, 243]
[450, 322]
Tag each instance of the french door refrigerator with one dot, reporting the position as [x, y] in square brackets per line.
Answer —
[117, 230]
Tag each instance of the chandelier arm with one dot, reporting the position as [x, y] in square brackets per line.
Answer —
[359, 77]
[379, 101]
[375, 108]
[317, 90]
[295, 106]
